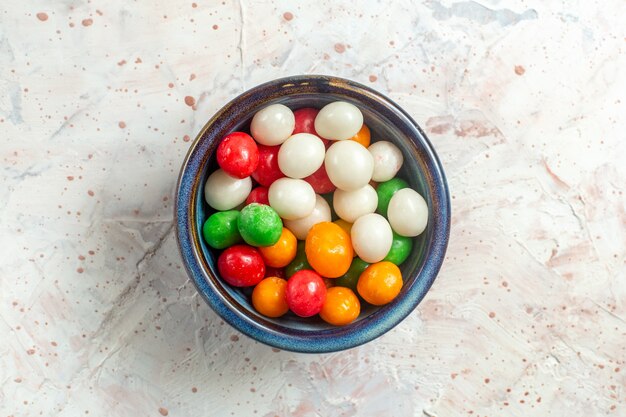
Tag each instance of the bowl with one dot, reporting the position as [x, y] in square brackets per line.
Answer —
[421, 169]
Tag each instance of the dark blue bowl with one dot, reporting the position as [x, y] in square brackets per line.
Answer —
[421, 169]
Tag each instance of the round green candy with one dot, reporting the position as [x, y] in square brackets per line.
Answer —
[351, 278]
[386, 190]
[220, 229]
[400, 249]
[299, 262]
[259, 225]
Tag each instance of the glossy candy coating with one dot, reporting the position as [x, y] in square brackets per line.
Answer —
[371, 237]
[320, 182]
[258, 195]
[267, 170]
[220, 229]
[338, 121]
[301, 155]
[386, 190]
[363, 136]
[388, 160]
[292, 198]
[329, 249]
[272, 125]
[349, 165]
[301, 227]
[238, 154]
[281, 253]
[380, 283]
[341, 306]
[299, 262]
[305, 293]
[400, 249]
[305, 122]
[223, 192]
[407, 213]
[351, 277]
[268, 297]
[350, 205]
[241, 266]
[259, 225]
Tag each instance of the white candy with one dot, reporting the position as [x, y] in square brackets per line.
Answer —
[371, 237]
[350, 205]
[301, 155]
[321, 213]
[407, 213]
[223, 192]
[272, 125]
[338, 121]
[291, 198]
[349, 165]
[388, 160]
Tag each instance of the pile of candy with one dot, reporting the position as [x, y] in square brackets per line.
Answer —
[294, 255]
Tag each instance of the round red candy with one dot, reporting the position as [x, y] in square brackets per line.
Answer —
[306, 293]
[305, 122]
[241, 266]
[238, 154]
[320, 182]
[267, 170]
[258, 195]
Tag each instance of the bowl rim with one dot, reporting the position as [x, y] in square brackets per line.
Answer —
[364, 330]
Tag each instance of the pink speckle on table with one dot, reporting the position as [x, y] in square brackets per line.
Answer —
[288, 16]
[519, 70]
[340, 48]
[42, 16]
[190, 101]
[87, 22]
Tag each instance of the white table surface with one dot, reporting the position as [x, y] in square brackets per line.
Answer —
[524, 101]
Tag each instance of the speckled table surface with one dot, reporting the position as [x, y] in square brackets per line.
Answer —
[525, 102]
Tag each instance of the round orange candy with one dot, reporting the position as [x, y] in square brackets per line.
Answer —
[362, 136]
[380, 283]
[328, 249]
[341, 306]
[282, 252]
[268, 297]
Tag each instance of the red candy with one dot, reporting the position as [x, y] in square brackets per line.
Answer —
[267, 170]
[241, 266]
[258, 195]
[306, 293]
[305, 122]
[238, 154]
[320, 182]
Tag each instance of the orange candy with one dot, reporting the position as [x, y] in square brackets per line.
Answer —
[282, 252]
[329, 249]
[341, 306]
[268, 297]
[362, 136]
[380, 283]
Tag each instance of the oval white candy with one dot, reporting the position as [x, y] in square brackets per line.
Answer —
[407, 212]
[350, 205]
[272, 125]
[223, 192]
[321, 213]
[338, 121]
[388, 160]
[349, 165]
[371, 237]
[301, 155]
[291, 198]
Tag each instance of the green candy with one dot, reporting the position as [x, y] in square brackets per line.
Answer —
[259, 225]
[386, 190]
[299, 262]
[351, 278]
[220, 229]
[400, 249]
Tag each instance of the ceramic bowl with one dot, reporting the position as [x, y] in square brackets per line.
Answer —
[421, 169]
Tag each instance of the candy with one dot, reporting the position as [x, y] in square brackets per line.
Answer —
[259, 225]
[301, 155]
[268, 297]
[344, 225]
[400, 249]
[238, 155]
[223, 192]
[282, 252]
[386, 190]
[301, 227]
[292, 198]
[349, 165]
[362, 136]
[407, 213]
[380, 283]
[388, 160]
[305, 122]
[338, 121]
[329, 249]
[320, 182]
[350, 205]
[341, 306]
[371, 237]
[275, 272]
[351, 277]
[220, 229]
[267, 170]
[272, 125]
[299, 262]
[241, 266]
[258, 195]
[305, 293]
